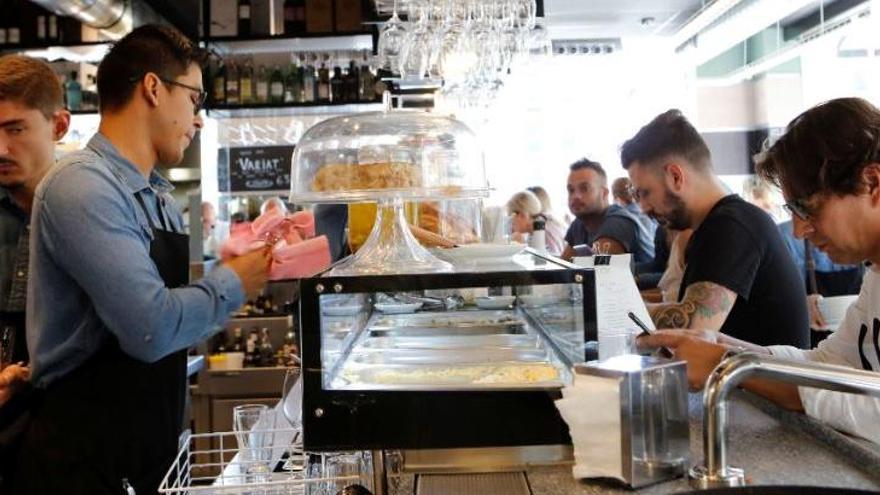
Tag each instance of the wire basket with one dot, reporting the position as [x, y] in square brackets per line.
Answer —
[213, 463]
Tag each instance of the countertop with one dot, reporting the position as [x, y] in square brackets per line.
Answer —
[774, 446]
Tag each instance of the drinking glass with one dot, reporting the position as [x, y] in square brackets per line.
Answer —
[254, 426]
[392, 39]
[617, 343]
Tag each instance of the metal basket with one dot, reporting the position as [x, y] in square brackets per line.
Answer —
[212, 463]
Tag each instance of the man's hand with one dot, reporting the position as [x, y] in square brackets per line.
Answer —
[252, 269]
[12, 378]
[699, 348]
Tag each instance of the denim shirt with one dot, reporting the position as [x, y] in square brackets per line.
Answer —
[14, 236]
[91, 276]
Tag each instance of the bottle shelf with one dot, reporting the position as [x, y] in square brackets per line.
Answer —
[286, 44]
[290, 109]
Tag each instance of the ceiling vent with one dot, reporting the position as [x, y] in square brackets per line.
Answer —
[594, 46]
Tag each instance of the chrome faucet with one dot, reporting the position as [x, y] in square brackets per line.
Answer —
[733, 371]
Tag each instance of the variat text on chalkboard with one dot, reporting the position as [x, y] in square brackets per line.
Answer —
[260, 168]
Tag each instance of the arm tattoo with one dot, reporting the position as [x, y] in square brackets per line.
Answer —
[705, 300]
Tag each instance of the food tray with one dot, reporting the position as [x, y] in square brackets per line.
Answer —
[449, 319]
[494, 376]
[507, 341]
[447, 356]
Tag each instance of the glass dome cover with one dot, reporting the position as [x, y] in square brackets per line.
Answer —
[388, 157]
[402, 154]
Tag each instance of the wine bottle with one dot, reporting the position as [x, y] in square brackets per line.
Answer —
[219, 93]
[262, 85]
[323, 84]
[337, 86]
[233, 92]
[309, 87]
[244, 18]
[276, 86]
[13, 30]
[246, 83]
[73, 92]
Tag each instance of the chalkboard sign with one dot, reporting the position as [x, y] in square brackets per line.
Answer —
[265, 168]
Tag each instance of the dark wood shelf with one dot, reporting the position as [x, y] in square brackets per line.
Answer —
[291, 36]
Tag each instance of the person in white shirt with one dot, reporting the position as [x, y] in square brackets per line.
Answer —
[828, 167]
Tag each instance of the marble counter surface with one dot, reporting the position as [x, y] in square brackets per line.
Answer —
[774, 446]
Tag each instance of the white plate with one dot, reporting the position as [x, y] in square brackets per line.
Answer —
[471, 251]
[397, 308]
[494, 302]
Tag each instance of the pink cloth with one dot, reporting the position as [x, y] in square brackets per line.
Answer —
[300, 260]
[296, 252]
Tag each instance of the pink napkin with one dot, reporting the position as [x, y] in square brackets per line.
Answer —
[296, 252]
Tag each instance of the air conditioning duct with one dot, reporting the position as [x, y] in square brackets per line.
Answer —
[106, 15]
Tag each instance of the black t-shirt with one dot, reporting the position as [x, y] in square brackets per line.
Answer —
[739, 247]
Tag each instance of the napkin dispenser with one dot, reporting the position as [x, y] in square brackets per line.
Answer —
[651, 424]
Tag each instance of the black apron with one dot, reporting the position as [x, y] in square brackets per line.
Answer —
[114, 417]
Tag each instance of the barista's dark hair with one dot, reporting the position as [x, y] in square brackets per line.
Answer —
[668, 135]
[154, 48]
[824, 150]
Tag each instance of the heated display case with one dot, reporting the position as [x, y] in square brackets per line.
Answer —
[470, 358]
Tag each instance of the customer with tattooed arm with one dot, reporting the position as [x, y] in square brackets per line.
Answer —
[739, 278]
[828, 165]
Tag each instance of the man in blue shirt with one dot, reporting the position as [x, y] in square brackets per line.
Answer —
[111, 312]
[610, 229]
[32, 119]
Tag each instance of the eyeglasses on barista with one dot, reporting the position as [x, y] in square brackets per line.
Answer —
[201, 94]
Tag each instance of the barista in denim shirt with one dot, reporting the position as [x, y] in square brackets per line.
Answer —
[111, 312]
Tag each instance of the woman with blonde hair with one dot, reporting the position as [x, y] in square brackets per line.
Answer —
[555, 227]
[524, 208]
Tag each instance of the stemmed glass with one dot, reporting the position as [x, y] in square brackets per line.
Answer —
[392, 39]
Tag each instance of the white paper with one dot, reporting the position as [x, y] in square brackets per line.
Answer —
[617, 295]
[591, 408]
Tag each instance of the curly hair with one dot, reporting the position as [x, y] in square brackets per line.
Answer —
[824, 149]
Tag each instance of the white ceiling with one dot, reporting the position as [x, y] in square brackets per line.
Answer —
[616, 18]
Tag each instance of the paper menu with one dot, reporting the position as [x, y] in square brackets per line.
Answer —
[616, 295]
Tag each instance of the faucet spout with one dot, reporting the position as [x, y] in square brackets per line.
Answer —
[732, 372]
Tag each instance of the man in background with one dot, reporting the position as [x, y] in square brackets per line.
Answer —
[32, 120]
[602, 227]
[621, 190]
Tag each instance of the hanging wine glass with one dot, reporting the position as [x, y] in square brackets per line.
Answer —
[392, 38]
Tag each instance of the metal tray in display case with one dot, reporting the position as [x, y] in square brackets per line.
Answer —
[462, 377]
